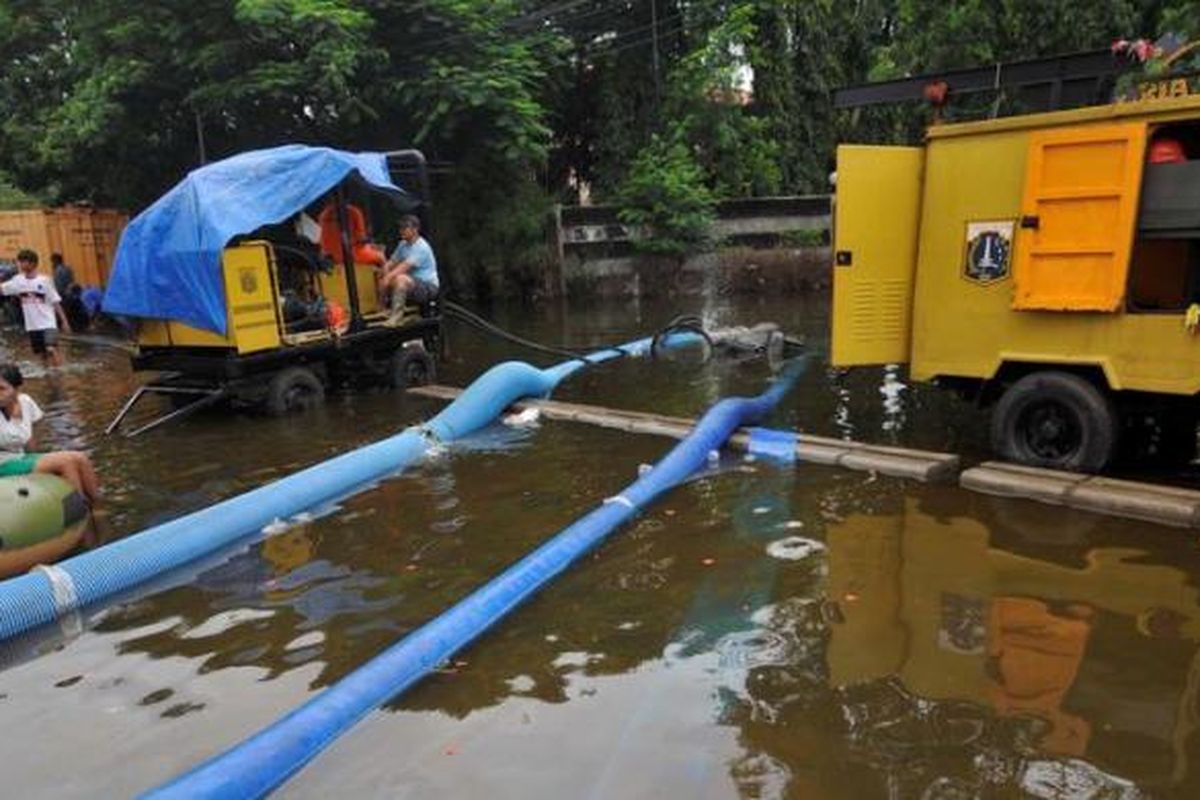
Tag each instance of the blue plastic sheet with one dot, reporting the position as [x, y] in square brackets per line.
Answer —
[168, 264]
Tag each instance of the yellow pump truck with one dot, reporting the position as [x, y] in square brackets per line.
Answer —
[1046, 264]
[252, 282]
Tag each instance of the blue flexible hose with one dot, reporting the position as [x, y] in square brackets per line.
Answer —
[41, 597]
[264, 761]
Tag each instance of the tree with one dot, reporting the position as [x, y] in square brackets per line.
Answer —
[12, 197]
[665, 196]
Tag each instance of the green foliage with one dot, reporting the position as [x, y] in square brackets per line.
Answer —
[12, 197]
[494, 229]
[939, 36]
[530, 100]
[705, 107]
[808, 237]
[665, 195]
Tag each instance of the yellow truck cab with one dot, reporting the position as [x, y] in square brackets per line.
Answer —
[1047, 263]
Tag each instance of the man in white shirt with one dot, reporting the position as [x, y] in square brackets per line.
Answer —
[41, 305]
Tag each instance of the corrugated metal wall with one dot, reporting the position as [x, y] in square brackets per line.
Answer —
[86, 237]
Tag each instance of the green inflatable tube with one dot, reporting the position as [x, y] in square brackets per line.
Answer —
[42, 518]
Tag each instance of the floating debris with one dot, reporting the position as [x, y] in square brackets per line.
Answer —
[794, 548]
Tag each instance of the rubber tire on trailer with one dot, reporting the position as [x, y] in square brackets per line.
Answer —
[1056, 420]
[410, 366]
[293, 389]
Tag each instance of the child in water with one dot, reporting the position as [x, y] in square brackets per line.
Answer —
[18, 413]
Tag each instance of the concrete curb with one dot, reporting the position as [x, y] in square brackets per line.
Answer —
[1167, 505]
[918, 465]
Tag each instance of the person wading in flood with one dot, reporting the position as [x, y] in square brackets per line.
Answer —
[41, 306]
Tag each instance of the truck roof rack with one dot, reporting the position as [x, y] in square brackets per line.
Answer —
[1042, 84]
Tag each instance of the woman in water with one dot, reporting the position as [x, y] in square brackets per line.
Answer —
[18, 412]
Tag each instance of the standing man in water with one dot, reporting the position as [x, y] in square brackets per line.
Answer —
[41, 306]
[411, 272]
[64, 276]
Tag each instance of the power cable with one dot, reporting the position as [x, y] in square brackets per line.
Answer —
[469, 317]
[679, 324]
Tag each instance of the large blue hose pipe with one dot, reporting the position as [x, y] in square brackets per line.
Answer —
[264, 761]
[43, 596]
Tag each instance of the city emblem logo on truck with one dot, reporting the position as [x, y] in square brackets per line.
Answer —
[989, 251]
[249, 280]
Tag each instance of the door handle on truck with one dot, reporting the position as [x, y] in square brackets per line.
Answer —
[843, 258]
[1031, 221]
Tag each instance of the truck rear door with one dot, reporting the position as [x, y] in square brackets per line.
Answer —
[1077, 217]
[877, 214]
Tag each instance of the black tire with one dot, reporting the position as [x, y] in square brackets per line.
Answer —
[410, 366]
[293, 389]
[1056, 420]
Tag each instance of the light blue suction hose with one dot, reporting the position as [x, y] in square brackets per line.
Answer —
[264, 761]
[43, 596]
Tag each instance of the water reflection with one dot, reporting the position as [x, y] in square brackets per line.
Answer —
[761, 632]
[960, 666]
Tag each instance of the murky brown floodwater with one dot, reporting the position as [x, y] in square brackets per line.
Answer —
[766, 632]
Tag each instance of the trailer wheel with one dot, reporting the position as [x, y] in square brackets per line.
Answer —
[1057, 420]
[293, 389]
[410, 366]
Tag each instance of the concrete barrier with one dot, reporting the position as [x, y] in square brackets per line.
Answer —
[919, 465]
[1167, 505]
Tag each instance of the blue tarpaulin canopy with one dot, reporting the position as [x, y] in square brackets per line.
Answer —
[168, 264]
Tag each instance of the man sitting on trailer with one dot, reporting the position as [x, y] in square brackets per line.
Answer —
[411, 273]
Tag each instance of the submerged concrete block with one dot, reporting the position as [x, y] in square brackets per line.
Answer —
[898, 466]
[1014, 480]
[1167, 505]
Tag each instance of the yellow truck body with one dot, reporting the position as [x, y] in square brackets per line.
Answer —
[1005, 246]
[251, 305]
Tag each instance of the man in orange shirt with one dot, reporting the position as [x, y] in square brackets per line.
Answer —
[331, 236]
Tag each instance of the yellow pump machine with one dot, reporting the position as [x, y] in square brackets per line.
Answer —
[284, 343]
[1048, 263]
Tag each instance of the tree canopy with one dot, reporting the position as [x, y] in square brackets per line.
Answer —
[112, 101]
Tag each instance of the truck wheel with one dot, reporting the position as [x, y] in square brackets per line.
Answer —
[410, 366]
[293, 389]
[1057, 420]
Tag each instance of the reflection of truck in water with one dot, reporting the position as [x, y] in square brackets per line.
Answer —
[936, 629]
[1045, 264]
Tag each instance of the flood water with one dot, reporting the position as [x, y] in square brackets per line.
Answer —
[764, 631]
